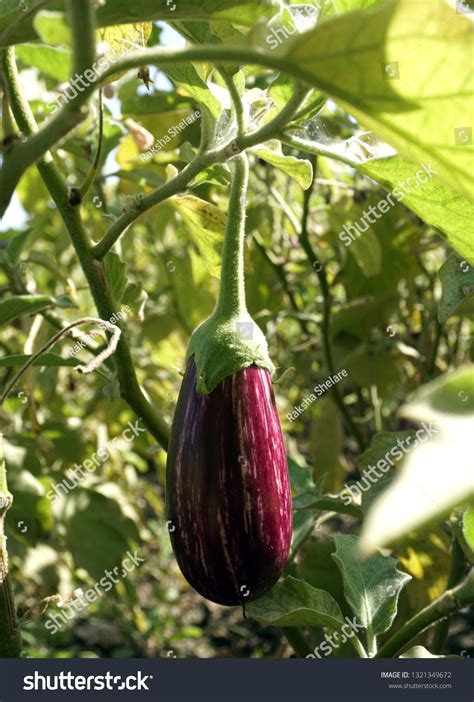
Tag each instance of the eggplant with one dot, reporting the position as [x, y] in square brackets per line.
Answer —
[228, 494]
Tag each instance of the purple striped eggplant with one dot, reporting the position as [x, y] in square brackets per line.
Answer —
[228, 493]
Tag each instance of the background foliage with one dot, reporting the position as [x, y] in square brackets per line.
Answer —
[394, 309]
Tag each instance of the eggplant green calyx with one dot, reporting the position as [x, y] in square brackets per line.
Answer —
[229, 340]
[222, 347]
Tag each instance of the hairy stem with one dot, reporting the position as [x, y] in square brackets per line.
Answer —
[451, 601]
[232, 287]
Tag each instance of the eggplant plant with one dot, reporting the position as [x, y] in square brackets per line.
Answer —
[275, 201]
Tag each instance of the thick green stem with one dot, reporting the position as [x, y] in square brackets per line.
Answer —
[93, 270]
[232, 288]
[82, 21]
[10, 635]
[451, 601]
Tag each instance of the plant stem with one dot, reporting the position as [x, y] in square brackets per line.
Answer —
[10, 635]
[91, 176]
[236, 101]
[75, 110]
[82, 22]
[451, 601]
[93, 270]
[203, 160]
[456, 571]
[327, 305]
[231, 299]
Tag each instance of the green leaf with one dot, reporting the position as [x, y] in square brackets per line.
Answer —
[15, 246]
[188, 79]
[457, 280]
[49, 60]
[206, 224]
[368, 253]
[98, 533]
[116, 273]
[400, 68]
[299, 169]
[293, 602]
[437, 475]
[23, 304]
[52, 28]
[371, 587]
[324, 502]
[48, 359]
[326, 444]
[436, 203]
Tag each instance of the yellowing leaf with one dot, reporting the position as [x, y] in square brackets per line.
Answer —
[206, 224]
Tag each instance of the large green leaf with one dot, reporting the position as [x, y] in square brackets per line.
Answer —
[401, 69]
[371, 587]
[436, 203]
[437, 475]
[293, 602]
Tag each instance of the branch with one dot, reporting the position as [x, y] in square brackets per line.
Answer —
[73, 111]
[203, 160]
[318, 149]
[451, 601]
[24, 154]
[82, 22]
[327, 303]
[92, 269]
